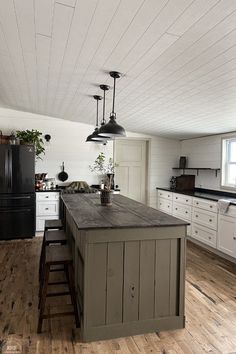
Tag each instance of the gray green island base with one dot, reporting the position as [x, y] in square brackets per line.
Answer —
[129, 264]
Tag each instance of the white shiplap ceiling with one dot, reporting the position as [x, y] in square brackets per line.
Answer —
[178, 58]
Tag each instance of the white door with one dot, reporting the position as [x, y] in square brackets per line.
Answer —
[131, 173]
[227, 235]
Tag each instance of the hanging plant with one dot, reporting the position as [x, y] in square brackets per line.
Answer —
[32, 137]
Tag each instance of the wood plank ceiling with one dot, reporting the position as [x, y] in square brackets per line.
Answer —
[178, 58]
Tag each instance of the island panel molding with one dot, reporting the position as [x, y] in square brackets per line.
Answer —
[129, 278]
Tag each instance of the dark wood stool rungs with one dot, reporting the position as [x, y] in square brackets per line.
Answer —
[57, 255]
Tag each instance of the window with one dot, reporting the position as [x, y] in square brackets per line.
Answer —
[228, 177]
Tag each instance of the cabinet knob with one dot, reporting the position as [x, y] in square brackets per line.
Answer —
[196, 216]
[176, 208]
[168, 196]
[187, 200]
[211, 206]
[46, 208]
[176, 198]
[209, 237]
[160, 203]
[234, 238]
[186, 212]
[168, 206]
[197, 203]
[210, 220]
[196, 232]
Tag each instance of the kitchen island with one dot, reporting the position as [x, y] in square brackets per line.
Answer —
[129, 264]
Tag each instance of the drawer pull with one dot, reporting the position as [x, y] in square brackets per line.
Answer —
[196, 216]
[186, 212]
[47, 196]
[234, 238]
[168, 206]
[186, 200]
[160, 203]
[176, 198]
[46, 208]
[211, 206]
[209, 237]
[160, 193]
[196, 232]
[210, 220]
[168, 196]
[197, 203]
[176, 208]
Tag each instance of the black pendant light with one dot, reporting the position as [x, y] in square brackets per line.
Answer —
[103, 122]
[112, 129]
[92, 137]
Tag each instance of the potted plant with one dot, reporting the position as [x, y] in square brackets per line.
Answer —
[107, 173]
[32, 137]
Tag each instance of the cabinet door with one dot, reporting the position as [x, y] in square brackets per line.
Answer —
[227, 235]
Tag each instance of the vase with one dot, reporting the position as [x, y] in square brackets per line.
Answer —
[106, 197]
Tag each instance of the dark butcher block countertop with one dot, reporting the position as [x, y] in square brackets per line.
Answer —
[206, 194]
[88, 213]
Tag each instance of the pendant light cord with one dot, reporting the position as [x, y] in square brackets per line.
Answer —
[103, 117]
[97, 115]
[114, 93]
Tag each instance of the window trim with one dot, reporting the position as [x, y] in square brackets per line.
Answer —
[224, 160]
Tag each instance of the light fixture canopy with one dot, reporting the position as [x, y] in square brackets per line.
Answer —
[112, 129]
[92, 137]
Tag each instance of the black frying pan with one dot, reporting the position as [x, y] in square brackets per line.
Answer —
[63, 176]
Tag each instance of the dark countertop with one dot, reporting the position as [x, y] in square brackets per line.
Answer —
[88, 213]
[206, 194]
[48, 190]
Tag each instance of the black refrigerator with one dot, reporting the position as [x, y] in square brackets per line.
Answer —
[17, 191]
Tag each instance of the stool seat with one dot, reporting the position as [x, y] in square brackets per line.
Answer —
[53, 224]
[55, 236]
[58, 255]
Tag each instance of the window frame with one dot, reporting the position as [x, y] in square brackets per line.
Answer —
[225, 162]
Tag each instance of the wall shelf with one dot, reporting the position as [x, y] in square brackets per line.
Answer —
[197, 169]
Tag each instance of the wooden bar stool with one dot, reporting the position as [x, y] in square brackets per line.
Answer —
[53, 224]
[57, 255]
[51, 237]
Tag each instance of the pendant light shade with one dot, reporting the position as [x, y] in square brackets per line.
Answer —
[112, 129]
[97, 137]
[92, 137]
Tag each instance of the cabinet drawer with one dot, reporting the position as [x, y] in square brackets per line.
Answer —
[165, 205]
[183, 199]
[182, 211]
[231, 211]
[204, 234]
[164, 194]
[49, 208]
[205, 218]
[205, 204]
[44, 196]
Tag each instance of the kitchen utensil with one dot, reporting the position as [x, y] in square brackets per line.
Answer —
[63, 176]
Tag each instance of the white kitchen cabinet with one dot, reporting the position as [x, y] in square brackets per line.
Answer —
[205, 218]
[204, 234]
[226, 241]
[164, 194]
[182, 211]
[205, 204]
[47, 208]
[183, 199]
[165, 205]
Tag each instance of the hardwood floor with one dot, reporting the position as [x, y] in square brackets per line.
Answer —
[210, 310]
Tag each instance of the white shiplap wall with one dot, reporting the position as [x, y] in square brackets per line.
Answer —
[204, 152]
[68, 144]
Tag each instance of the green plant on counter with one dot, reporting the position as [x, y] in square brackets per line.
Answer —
[32, 137]
[107, 170]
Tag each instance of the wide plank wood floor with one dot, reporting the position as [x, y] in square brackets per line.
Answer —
[210, 310]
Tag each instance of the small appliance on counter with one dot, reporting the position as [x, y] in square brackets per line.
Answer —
[182, 183]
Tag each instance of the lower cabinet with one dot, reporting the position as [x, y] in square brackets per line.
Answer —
[47, 208]
[204, 234]
[226, 241]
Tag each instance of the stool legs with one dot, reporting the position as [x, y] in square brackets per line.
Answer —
[42, 298]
